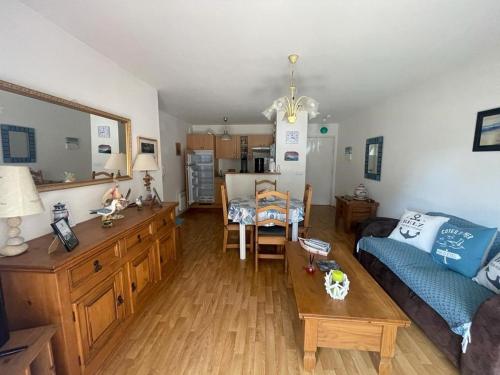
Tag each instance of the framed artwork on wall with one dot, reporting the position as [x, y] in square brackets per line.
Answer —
[487, 135]
[178, 149]
[18, 144]
[147, 146]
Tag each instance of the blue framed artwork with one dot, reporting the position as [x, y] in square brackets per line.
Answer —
[18, 144]
[373, 158]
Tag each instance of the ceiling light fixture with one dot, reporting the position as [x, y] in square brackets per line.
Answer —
[289, 104]
[225, 136]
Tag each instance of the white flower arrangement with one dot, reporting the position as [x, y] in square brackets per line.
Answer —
[335, 289]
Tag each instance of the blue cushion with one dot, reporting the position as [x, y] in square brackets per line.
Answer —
[462, 249]
[462, 223]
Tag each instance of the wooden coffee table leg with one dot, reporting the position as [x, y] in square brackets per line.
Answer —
[310, 343]
[387, 348]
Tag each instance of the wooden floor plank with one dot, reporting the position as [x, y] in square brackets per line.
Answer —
[216, 316]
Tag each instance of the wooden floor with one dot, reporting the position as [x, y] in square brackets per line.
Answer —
[217, 316]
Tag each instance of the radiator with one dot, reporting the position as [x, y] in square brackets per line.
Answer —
[181, 199]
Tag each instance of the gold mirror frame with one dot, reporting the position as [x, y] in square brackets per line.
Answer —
[20, 90]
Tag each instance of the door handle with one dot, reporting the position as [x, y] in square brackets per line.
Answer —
[120, 300]
[139, 238]
[97, 266]
[134, 286]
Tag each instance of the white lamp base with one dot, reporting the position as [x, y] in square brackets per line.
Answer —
[15, 243]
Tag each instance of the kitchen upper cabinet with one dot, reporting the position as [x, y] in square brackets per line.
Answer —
[258, 140]
[200, 142]
[229, 149]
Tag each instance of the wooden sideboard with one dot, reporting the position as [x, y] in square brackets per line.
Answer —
[92, 293]
[353, 211]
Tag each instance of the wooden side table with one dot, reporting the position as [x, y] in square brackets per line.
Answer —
[353, 211]
[37, 359]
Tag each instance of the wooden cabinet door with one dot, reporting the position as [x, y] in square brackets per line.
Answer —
[98, 315]
[225, 149]
[141, 270]
[258, 140]
[200, 142]
[217, 192]
[167, 250]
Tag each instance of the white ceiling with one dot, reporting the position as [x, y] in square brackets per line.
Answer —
[229, 57]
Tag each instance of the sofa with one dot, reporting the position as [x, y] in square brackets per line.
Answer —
[483, 352]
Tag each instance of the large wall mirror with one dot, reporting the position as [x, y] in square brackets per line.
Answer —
[64, 144]
[373, 158]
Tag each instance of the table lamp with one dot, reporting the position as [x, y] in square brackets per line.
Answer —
[146, 162]
[18, 197]
[116, 162]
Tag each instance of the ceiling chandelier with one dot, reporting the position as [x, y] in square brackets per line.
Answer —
[289, 104]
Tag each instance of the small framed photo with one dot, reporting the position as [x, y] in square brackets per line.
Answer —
[178, 149]
[487, 135]
[147, 146]
[65, 234]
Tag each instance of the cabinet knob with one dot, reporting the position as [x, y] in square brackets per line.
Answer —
[139, 238]
[164, 222]
[161, 259]
[120, 300]
[97, 266]
[134, 286]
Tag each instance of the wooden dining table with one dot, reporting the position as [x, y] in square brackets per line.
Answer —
[242, 211]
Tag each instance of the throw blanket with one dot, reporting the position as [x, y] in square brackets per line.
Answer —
[453, 296]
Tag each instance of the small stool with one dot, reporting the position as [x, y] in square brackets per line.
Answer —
[178, 234]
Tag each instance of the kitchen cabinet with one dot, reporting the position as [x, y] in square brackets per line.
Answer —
[229, 149]
[200, 142]
[258, 140]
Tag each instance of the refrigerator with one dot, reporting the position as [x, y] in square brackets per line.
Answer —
[200, 176]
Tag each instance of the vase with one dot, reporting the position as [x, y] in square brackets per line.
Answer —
[360, 192]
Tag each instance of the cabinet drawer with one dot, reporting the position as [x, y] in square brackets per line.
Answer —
[139, 238]
[103, 263]
[165, 222]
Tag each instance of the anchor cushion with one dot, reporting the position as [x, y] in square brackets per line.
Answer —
[418, 229]
[489, 276]
[463, 249]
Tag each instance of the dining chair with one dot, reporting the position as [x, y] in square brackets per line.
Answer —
[269, 183]
[305, 225]
[230, 226]
[277, 234]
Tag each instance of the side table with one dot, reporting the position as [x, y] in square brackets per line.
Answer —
[353, 211]
[36, 359]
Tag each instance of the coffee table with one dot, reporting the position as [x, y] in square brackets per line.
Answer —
[367, 319]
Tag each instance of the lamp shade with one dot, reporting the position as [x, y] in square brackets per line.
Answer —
[145, 162]
[18, 196]
[116, 162]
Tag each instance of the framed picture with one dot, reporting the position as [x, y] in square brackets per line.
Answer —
[103, 131]
[147, 146]
[178, 150]
[487, 135]
[18, 144]
[104, 149]
[65, 234]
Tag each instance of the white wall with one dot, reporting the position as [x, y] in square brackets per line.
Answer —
[428, 163]
[293, 173]
[40, 55]
[98, 159]
[172, 130]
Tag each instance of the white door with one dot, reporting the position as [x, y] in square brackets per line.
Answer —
[319, 168]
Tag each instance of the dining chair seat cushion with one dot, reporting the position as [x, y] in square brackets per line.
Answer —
[272, 231]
